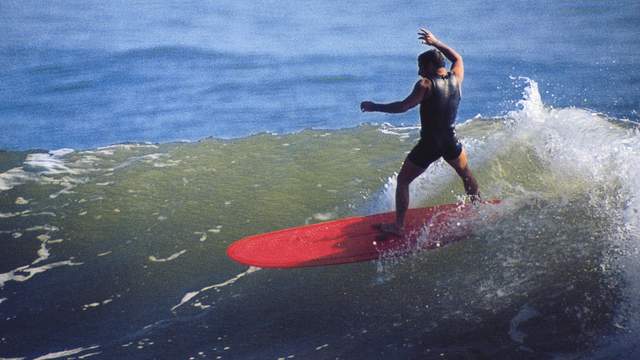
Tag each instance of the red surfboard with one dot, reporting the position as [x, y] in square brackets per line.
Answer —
[356, 239]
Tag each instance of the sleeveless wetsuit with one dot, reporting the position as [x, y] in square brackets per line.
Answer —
[437, 116]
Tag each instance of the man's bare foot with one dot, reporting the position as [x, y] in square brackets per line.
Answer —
[475, 199]
[390, 229]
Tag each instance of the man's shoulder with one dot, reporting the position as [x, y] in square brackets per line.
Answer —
[424, 83]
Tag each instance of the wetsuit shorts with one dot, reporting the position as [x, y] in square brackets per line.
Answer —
[431, 147]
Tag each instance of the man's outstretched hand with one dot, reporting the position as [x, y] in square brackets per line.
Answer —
[427, 37]
[366, 106]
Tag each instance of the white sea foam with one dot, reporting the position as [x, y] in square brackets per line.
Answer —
[324, 216]
[14, 214]
[320, 217]
[26, 213]
[215, 230]
[46, 164]
[26, 272]
[96, 304]
[582, 148]
[45, 227]
[101, 152]
[171, 257]
[61, 152]
[66, 353]
[190, 295]
[128, 147]
[403, 132]
[147, 159]
[15, 177]
[44, 168]
[89, 354]
[43, 252]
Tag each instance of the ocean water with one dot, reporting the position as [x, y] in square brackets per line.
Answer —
[139, 139]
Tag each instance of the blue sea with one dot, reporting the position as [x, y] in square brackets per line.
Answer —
[139, 139]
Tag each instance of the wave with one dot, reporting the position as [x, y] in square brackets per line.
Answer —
[568, 222]
[578, 149]
[550, 164]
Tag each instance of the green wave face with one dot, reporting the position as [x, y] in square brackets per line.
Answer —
[107, 242]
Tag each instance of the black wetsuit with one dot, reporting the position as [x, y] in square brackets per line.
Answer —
[437, 116]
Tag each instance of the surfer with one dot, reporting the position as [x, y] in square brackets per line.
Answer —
[438, 93]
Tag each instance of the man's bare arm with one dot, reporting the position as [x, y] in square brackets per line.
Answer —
[416, 96]
[457, 65]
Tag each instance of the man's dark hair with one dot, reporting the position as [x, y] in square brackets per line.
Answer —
[432, 56]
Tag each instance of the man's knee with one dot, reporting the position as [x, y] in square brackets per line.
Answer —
[404, 180]
[408, 173]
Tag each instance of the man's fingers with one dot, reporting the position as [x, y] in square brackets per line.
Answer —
[425, 36]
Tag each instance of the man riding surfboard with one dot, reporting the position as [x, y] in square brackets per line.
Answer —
[438, 94]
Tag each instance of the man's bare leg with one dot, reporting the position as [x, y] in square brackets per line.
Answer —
[408, 173]
[461, 166]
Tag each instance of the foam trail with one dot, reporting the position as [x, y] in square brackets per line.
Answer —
[170, 258]
[32, 271]
[65, 353]
[190, 295]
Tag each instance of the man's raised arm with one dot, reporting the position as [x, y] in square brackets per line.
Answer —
[457, 65]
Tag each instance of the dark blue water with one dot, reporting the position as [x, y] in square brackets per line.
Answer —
[78, 74]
